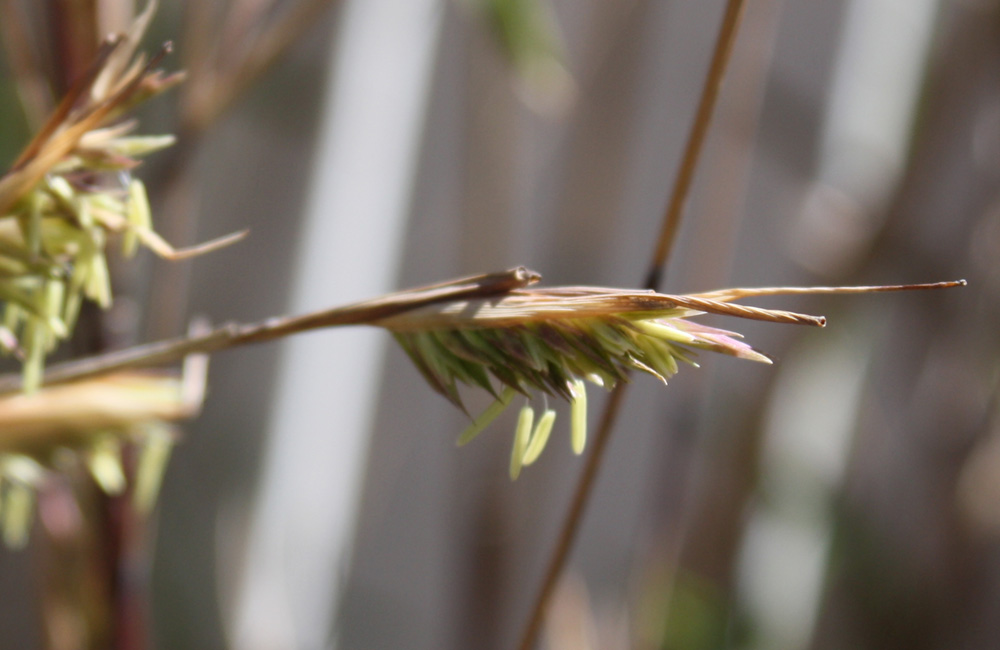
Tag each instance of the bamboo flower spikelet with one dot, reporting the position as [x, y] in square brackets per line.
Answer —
[552, 341]
[67, 197]
[69, 192]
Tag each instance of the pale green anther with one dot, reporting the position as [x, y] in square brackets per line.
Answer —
[149, 470]
[107, 202]
[105, 465]
[18, 467]
[486, 417]
[661, 331]
[34, 340]
[16, 516]
[140, 145]
[521, 435]
[71, 308]
[578, 417]
[81, 269]
[20, 303]
[659, 354]
[60, 188]
[138, 215]
[11, 314]
[55, 293]
[67, 164]
[97, 286]
[610, 339]
[670, 362]
[539, 437]
[33, 230]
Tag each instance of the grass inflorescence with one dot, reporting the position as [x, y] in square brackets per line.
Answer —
[552, 341]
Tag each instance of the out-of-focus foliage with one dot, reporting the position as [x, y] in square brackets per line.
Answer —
[67, 193]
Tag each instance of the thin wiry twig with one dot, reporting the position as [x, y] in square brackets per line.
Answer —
[493, 300]
[696, 141]
[671, 224]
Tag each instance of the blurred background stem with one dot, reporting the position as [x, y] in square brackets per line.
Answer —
[671, 223]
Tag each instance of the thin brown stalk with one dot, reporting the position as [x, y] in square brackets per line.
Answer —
[696, 141]
[668, 233]
[232, 334]
[574, 515]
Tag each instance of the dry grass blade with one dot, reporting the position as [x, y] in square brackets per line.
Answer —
[70, 415]
[580, 302]
[725, 295]
[521, 323]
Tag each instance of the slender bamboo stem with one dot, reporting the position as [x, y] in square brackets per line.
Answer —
[668, 233]
[567, 535]
[696, 141]
[233, 334]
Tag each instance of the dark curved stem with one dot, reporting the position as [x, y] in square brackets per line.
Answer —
[696, 141]
[668, 233]
[573, 516]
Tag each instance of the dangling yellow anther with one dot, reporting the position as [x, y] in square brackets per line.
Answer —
[491, 413]
[539, 437]
[521, 434]
[105, 463]
[578, 417]
[18, 511]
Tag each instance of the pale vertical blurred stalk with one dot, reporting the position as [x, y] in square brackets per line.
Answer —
[376, 104]
[706, 540]
[863, 150]
[789, 534]
[866, 132]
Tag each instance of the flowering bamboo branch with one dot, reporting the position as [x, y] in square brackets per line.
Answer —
[486, 304]
[233, 334]
[476, 330]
